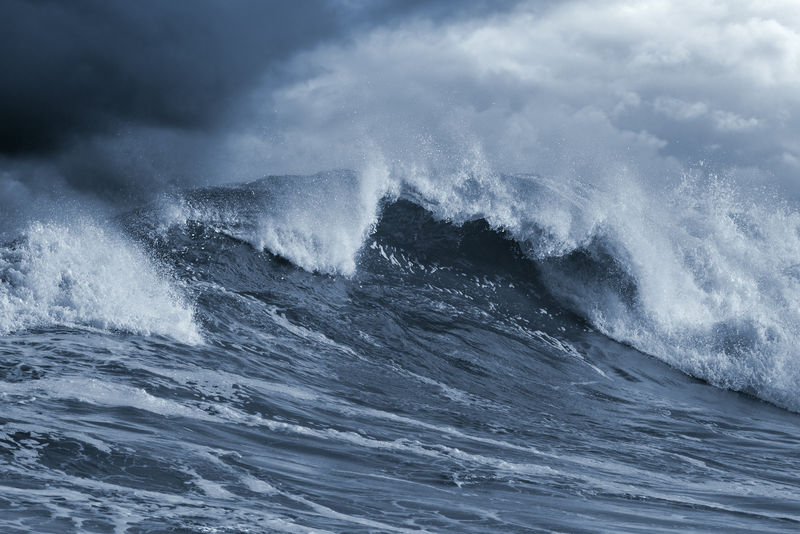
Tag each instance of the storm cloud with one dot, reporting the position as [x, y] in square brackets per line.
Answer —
[77, 68]
[118, 98]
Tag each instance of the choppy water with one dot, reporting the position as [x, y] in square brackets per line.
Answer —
[314, 354]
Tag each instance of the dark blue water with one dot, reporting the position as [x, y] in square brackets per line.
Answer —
[163, 376]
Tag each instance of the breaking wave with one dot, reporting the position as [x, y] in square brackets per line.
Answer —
[85, 274]
[693, 273]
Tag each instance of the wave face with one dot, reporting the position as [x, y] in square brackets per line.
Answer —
[364, 352]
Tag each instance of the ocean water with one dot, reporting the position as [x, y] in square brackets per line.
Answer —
[343, 352]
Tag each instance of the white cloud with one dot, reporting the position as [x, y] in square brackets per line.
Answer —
[678, 109]
[731, 122]
[581, 87]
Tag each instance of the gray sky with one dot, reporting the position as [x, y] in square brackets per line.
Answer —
[115, 97]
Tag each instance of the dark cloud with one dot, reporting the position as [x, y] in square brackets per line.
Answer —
[114, 97]
[76, 68]
[387, 11]
[117, 97]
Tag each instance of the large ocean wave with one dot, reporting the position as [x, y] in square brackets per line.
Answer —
[213, 358]
[697, 274]
[519, 266]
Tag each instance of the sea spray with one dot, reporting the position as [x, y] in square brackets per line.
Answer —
[87, 274]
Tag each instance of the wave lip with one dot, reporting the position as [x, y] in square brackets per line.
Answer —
[318, 222]
[83, 274]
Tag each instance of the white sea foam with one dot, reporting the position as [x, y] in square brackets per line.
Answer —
[321, 225]
[86, 274]
[318, 222]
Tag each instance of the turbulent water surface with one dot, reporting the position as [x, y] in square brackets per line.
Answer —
[320, 354]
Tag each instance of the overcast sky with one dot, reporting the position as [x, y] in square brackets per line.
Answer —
[114, 97]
